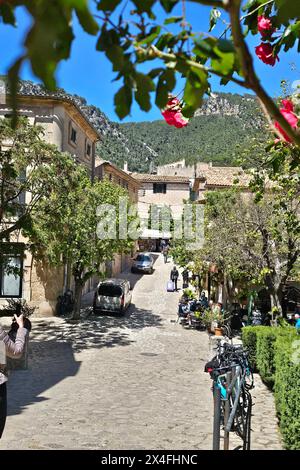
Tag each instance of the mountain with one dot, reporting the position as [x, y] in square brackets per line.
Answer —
[225, 124]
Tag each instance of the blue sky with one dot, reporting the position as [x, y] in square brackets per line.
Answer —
[89, 74]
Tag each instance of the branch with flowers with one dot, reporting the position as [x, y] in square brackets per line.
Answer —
[128, 33]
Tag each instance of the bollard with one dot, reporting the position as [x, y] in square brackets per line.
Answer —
[217, 417]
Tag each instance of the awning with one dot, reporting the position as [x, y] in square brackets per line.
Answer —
[154, 234]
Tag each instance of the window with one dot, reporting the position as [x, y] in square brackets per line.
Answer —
[73, 134]
[88, 149]
[159, 188]
[110, 290]
[11, 273]
[143, 258]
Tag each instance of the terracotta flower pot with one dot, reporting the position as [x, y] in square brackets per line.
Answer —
[218, 331]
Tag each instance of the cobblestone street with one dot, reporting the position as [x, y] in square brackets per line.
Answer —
[135, 382]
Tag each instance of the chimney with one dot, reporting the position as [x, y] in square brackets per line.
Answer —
[125, 168]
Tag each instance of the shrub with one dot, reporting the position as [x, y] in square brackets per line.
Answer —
[287, 386]
[275, 352]
[265, 353]
[249, 337]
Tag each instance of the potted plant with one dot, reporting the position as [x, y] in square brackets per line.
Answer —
[189, 294]
[210, 320]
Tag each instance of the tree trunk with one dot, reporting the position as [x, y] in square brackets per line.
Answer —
[275, 289]
[77, 298]
[275, 301]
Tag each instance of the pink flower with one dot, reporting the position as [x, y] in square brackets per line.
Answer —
[180, 121]
[289, 116]
[288, 105]
[264, 26]
[265, 53]
[172, 114]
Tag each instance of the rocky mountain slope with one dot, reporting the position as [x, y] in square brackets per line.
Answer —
[224, 124]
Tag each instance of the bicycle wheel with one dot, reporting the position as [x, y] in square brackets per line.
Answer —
[226, 330]
[243, 417]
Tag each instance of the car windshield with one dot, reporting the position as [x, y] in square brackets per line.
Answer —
[110, 290]
[143, 258]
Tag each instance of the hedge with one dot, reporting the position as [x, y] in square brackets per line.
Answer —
[287, 388]
[275, 352]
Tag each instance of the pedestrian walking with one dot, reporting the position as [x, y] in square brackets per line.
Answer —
[165, 253]
[163, 243]
[185, 278]
[13, 349]
[174, 276]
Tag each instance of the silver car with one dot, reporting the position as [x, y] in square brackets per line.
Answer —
[112, 295]
[143, 263]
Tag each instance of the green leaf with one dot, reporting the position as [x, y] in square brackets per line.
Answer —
[287, 10]
[116, 55]
[164, 41]
[225, 46]
[155, 72]
[195, 87]
[107, 38]
[108, 5]
[173, 19]
[205, 47]
[85, 18]
[153, 33]
[7, 14]
[168, 5]
[123, 101]
[224, 64]
[142, 94]
[144, 5]
[166, 84]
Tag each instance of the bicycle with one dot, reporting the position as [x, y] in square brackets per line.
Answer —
[232, 382]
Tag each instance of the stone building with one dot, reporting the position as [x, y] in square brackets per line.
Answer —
[65, 125]
[163, 190]
[123, 178]
[218, 178]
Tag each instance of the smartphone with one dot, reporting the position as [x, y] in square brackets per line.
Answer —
[18, 310]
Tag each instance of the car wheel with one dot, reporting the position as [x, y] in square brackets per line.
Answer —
[133, 270]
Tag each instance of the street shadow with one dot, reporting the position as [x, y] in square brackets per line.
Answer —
[53, 344]
[95, 331]
[50, 363]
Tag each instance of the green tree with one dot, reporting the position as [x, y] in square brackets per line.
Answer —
[30, 169]
[256, 242]
[65, 228]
